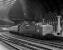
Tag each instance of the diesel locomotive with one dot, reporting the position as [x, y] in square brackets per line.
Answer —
[33, 30]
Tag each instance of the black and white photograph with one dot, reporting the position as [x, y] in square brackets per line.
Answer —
[31, 25]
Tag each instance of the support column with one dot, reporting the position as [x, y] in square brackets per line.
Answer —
[58, 26]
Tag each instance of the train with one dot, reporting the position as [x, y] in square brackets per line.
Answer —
[37, 29]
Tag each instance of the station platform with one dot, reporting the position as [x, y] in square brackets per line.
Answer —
[4, 46]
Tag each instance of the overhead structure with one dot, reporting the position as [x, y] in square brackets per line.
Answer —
[6, 3]
[5, 6]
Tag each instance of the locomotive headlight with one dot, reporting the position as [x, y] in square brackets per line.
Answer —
[5, 29]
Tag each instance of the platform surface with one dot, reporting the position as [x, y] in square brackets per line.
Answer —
[4, 46]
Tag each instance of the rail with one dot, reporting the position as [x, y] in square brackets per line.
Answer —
[29, 40]
[23, 43]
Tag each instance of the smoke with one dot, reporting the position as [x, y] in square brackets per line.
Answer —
[32, 9]
[24, 6]
[26, 10]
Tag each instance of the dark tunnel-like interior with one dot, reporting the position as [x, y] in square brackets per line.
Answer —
[35, 10]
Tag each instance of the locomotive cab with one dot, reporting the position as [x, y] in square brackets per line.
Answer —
[44, 29]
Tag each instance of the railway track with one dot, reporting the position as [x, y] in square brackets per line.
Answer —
[11, 47]
[34, 42]
[32, 39]
[23, 43]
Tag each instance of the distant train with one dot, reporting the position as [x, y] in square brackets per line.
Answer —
[36, 29]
